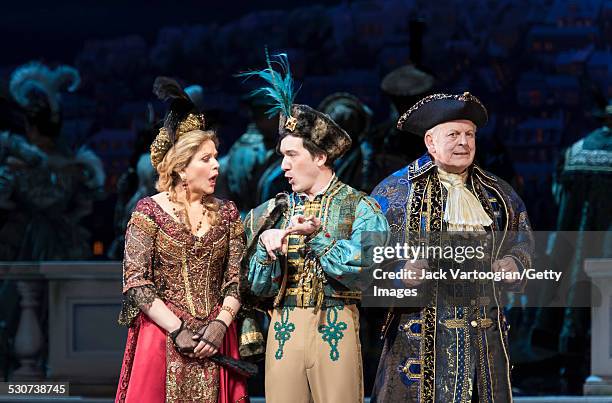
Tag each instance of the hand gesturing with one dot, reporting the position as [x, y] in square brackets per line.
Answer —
[275, 240]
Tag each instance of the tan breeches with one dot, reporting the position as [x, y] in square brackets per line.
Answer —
[314, 358]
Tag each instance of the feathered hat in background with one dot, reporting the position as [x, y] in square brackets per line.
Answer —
[37, 89]
[182, 117]
[295, 119]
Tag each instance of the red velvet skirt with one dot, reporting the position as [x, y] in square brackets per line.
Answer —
[149, 354]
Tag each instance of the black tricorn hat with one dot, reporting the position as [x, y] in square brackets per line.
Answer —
[439, 108]
[306, 122]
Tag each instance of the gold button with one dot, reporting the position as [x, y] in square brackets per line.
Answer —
[474, 323]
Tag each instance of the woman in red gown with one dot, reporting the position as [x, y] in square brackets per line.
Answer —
[181, 271]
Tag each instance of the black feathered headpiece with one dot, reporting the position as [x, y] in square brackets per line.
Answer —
[182, 117]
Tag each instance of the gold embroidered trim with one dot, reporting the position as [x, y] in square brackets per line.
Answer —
[406, 327]
[185, 274]
[465, 97]
[251, 337]
[144, 222]
[347, 294]
[463, 323]
[410, 374]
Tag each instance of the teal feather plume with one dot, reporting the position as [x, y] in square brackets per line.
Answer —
[280, 88]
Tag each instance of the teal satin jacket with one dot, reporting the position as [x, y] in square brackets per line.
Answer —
[328, 268]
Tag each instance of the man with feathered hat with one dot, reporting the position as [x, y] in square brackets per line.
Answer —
[304, 252]
[452, 346]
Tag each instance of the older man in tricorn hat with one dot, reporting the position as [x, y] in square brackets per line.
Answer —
[448, 348]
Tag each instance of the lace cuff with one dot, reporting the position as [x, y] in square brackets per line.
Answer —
[231, 290]
[135, 300]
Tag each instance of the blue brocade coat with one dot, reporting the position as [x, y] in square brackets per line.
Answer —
[433, 353]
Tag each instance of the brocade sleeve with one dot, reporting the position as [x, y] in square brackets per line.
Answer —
[264, 274]
[231, 276]
[138, 288]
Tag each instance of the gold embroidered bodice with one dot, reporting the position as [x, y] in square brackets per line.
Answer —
[164, 259]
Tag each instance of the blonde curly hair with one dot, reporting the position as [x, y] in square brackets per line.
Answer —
[176, 159]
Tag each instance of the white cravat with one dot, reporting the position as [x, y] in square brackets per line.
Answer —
[463, 211]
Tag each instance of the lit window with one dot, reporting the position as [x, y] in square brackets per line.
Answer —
[98, 248]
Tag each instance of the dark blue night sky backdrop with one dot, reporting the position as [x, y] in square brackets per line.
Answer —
[540, 66]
